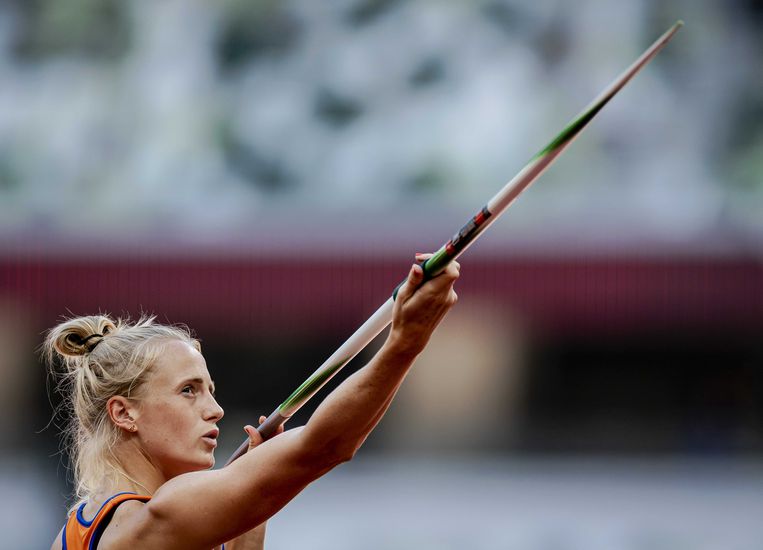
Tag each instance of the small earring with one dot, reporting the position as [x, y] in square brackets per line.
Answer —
[133, 428]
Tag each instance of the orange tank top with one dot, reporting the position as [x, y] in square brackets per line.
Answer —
[81, 534]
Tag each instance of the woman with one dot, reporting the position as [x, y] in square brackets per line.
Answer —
[144, 430]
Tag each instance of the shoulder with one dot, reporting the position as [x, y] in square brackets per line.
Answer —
[135, 524]
[125, 527]
[57, 542]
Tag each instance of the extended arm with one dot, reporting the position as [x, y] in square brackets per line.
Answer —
[346, 417]
[203, 509]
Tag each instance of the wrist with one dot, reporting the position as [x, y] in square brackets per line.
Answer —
[401, 349]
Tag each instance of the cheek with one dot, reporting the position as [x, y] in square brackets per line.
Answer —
[165, 422]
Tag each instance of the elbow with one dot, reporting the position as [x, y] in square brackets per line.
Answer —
[330, 454]
[334, 455]
[349, 450]
[348, 454]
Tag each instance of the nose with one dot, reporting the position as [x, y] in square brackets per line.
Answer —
[214, 411]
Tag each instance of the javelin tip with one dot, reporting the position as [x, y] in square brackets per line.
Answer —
[674, 29]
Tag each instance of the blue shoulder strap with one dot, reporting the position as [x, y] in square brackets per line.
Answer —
[101, 527]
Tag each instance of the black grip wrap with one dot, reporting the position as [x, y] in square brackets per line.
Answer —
[427, 276]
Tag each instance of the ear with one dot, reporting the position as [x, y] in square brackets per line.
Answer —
[122, 413]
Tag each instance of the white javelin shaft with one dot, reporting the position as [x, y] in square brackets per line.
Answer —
[456, 245]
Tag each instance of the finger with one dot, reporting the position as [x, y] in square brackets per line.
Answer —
[415, 277]
[451, 272]
[422, 257]
[254, 436]
[263, 418]
[442, 282]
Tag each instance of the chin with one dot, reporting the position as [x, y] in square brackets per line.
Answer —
[203, 463]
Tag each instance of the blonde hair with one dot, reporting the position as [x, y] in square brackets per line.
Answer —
[102, 358]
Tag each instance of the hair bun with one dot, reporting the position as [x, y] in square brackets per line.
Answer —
[79, 336]
[84, 342]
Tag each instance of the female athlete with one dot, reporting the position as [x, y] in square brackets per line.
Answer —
[144, 430]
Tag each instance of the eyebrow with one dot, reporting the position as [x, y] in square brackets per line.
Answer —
[199, 381]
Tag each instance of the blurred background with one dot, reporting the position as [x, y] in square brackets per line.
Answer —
[264, 171]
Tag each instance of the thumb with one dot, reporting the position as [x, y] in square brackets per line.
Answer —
[415, 277]
[254, 436]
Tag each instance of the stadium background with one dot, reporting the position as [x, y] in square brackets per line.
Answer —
[264, 171]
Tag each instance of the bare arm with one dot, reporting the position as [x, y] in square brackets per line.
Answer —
[203, 509]
[346, 417]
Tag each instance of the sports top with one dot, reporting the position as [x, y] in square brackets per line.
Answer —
[81, 534]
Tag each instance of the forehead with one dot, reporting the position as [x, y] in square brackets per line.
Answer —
[179, 361]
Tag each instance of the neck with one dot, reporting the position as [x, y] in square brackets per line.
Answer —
[136, 473]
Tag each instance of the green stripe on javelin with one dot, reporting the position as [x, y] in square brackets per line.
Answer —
[574, 127]
[311, 384]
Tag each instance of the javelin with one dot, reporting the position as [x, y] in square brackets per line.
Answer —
[454, 247]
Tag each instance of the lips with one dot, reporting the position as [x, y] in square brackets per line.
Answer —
[211, 437]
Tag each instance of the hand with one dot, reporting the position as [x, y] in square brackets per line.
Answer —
[254, 436]
[420, 308]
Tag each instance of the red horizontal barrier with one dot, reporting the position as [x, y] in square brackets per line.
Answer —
[228, 295]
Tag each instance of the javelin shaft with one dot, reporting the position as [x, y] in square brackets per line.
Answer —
[456, 246]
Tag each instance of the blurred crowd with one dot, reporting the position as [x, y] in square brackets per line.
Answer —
[189, 117]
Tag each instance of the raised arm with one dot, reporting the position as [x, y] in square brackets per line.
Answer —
[203, 509]
[345, 418]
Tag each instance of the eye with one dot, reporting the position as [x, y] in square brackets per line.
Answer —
[188, 390]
